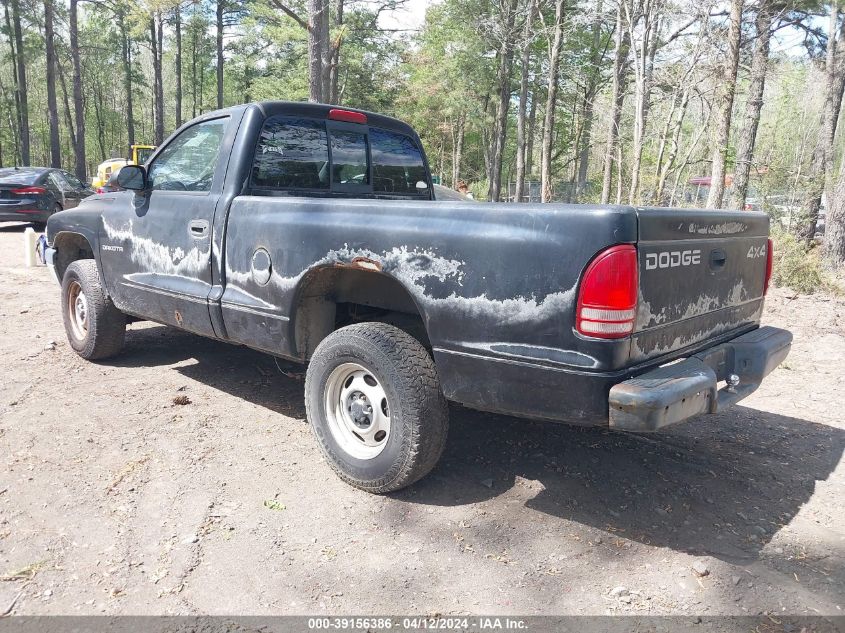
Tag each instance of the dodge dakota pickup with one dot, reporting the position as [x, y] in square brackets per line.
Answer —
[311, 232]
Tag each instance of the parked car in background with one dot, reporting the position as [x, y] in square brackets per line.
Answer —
[445, 193]
[33, 194]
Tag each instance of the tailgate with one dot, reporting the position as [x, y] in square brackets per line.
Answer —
[701, 277]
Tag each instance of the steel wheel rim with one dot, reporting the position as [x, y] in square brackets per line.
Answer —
[357, 411]
[77, 309]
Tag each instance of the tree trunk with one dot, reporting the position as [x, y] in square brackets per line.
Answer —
[532, 126]
[834, 240]
[68, 110]
[80, 167]
[326, 50]
[52, 107]
[14, 124]
[620, 69]
[522, 114]
[178, 62]
[334, 50]
[645, 69]
[23, 102]
[193, 72]
[503, 109]
[724, 106]
[748, 135]
[664, 170]
[126, 56]
[551, 105]
[219, 48]
[98, 114]
[457, 149]
[590, 91]
[158, 81]
[315, 51]
[823, 154]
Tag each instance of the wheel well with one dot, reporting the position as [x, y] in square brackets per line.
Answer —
[331, 298]
[69, 248]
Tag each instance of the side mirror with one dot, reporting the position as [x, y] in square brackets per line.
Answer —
[422, 185]
[132, 177]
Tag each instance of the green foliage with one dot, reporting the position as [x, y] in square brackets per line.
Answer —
[798, 266]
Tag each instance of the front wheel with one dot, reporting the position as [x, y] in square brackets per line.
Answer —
[374, 402]
[95, 327]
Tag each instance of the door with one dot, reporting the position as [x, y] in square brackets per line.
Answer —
[73, 189]
[155, 247]
[55, 186]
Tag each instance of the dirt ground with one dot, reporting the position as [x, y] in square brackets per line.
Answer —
[115, 500]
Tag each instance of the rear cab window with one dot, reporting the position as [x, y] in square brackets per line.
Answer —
[300, 155]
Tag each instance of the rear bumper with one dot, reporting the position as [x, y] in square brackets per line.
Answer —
[28, 215]
[679, 391]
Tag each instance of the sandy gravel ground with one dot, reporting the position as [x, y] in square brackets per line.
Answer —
[115, 500]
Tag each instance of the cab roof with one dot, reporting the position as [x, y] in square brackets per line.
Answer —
[316, 110]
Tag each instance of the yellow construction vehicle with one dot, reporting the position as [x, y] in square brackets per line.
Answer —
[138, 155]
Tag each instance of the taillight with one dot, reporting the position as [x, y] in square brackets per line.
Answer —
[100, 190]
[349, 116]
[769, 252]
[607, 300]
[29, 191]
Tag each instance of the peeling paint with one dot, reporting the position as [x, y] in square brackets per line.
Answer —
[640, 347]
[415, 267]
[411, 265]
[721, 228]
[646, 317]
[161, 258]
[532, 353]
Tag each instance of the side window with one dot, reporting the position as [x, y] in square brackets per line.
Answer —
[349, 158]
[188, 162]
[54, 183]
[72, 181]
[397, 163]
[292, 153]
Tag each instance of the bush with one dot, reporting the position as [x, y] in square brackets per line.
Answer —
[480, 190]
[798, 266]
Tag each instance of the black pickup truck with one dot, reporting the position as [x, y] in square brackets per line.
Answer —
[312, 233]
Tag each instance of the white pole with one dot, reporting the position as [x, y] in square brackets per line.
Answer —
[30, 237]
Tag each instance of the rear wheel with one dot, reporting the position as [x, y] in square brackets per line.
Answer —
[374, 402]
[95, 328]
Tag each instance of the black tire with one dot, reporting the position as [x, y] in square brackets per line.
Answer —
[419, 417]
[104, 325]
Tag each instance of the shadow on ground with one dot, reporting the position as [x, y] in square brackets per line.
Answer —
[15, 227]
[719, 485]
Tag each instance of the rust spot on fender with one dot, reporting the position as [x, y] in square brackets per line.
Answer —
[364, 263]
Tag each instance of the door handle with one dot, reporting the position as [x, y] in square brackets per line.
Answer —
[198, 228]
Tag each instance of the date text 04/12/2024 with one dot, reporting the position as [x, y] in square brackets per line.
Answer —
[418, 623]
